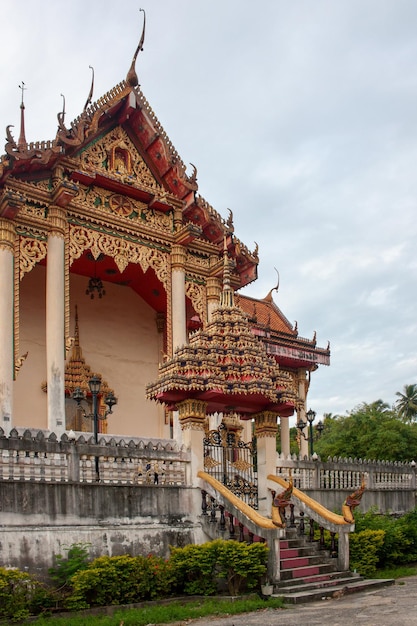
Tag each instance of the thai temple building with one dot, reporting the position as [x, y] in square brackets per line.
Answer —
[113, 265]
[141, 392]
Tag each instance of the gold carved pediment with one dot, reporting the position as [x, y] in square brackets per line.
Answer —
[116, 156]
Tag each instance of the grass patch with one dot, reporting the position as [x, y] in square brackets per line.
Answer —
[399, 571]
[165, 613]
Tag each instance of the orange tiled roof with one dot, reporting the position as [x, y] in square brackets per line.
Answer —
[265, 313]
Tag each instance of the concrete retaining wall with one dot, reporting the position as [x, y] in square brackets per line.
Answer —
[37, 520]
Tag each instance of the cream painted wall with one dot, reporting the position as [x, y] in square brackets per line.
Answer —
[30, 402]
[119, 340]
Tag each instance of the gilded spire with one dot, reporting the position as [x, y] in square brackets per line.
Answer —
[132, 77]
[227, 295]
[76, 350]
[22, 143]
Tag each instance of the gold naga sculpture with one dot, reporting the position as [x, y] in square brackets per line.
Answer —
[353, 501]
[279, 502]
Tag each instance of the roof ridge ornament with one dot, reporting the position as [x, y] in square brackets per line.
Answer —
[132, 77]
[269, 297]
[90, 95]
[61, 115]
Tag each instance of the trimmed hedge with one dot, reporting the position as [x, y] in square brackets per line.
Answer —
[120, 580]
[199, 568]
[364, 548]
[193, 570]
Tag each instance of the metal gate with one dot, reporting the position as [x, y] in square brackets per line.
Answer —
[233, 463]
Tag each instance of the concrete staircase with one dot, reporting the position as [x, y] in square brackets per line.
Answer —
[308, 573]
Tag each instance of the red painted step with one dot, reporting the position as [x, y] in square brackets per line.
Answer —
[301, 572]
[294, 562]
[289, 553]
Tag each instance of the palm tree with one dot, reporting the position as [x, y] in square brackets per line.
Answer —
[407, 403]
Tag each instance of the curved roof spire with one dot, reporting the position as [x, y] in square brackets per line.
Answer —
[61, 115]
[22, 143]
[90, 95]
[269, 298]
[132, 77]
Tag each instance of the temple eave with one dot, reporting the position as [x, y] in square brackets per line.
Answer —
[245, 404]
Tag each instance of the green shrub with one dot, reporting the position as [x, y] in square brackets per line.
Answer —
[120, 580]
[198, 568]
[242, 565]
[400, 539]
[195, 568]
[21, 595]
[364, 548]
[66, 566]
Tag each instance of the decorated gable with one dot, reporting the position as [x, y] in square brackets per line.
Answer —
[115, 155]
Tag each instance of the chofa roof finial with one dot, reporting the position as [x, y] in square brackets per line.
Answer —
[269, 296]
[277, 287]
[90, 95]
[61, 114]
[132, 77]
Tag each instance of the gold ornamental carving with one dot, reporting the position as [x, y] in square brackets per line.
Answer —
[196, 260]
[213, 288]
[121, 205]
[197, 295]
[192, 414]
[121, 250]
[178, 257]
[106, 203]
[7, 235]
[266, 424]
[57, 221]
[34, 210]
[118, 156]
[31, 252]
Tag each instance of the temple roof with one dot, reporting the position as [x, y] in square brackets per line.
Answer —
[280, 337]
[126, 106]
[265, 313]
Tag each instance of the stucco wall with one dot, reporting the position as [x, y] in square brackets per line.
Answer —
[39, 520]
[119, 339]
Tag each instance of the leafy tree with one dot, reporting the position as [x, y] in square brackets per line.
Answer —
[407, 403]
[370, 431]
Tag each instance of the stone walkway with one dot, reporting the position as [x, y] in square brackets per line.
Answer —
[390, 606]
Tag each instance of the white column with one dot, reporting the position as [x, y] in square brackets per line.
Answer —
[55, 321]
[7, 235]
[179, 328]
[301, 414]
[192, 416]
[266, 448]
[285, 436]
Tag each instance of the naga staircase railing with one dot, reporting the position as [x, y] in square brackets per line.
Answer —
[304, 514]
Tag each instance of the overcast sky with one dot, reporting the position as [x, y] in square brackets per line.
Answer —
[301, 117]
